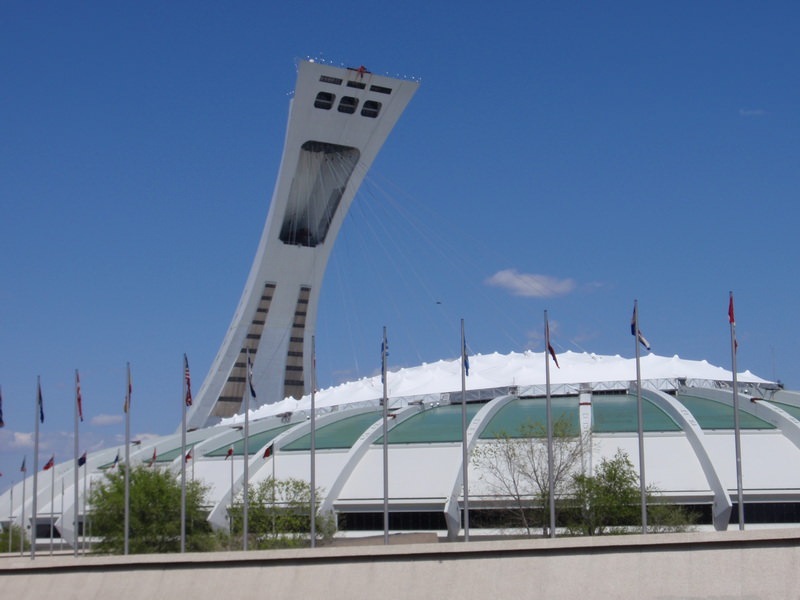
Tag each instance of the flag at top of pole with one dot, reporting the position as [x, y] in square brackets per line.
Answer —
[250, 376]
[127, 406]
[635, 331]
[732, 321]
[188, 379]
[39, 401]
[384, 354]
[78, 397]
[547, 341]
[2, 423]
[465, 355]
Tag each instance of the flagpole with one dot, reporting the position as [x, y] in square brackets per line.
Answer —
[551, 496]
[385, 442]
[464, 459]
[85, 503]
[76, 468]
[736, 425]
[11, 521]
[34, 506]
[313, 442]
[127, 461]
[640, 429]
[230, 514]
[246, 473]
[52, 503]
[22, 517]
[183, 455]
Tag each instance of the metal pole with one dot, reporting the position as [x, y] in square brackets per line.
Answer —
[75, 466]
[85, 504]
[34, 505]
[127, 462]
[551, 496]
[640, 430]
[183, 454]
[736, 425]
[246, 473]
[385, 442]
[464, 453]
[313, 442]
[52, 503]
[22, 517]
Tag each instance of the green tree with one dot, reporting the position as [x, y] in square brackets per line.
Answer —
[609, 502]
[515, 466]
[14, 532]
[279, 515]
[155, 508]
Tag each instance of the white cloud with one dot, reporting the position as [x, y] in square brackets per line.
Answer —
[20, 439]
[106, 420]
[531, 285]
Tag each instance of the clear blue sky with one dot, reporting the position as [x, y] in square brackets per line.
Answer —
[623, 150]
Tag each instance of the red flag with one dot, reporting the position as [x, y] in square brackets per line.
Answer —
[49, 464]
[230, 453]
[730, 310]
[268, 451]
[188, 380]
[153, 460]
[188, 456]
[23, 468]
[78, 398]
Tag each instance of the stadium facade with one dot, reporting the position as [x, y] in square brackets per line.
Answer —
[339, 119]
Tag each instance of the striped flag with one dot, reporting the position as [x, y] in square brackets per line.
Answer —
[268, 451]
[82, 460]
[23, 468]
[187, 378]
[49, 464]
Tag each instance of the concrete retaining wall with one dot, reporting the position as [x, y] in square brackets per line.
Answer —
[751, 564]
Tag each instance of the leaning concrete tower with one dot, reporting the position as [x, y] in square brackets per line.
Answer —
[338, 121]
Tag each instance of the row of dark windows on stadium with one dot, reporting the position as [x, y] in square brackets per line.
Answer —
[755, 514]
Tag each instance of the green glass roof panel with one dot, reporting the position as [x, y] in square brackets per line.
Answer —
[531, 411]
[789, 408]
[341, 434]
[171, 455]
[618, 413]
[435, 425]
[257, 440]
[711, 414]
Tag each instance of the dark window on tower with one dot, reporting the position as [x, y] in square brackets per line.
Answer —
[324, 100]
[371, 109]
[348, 105]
